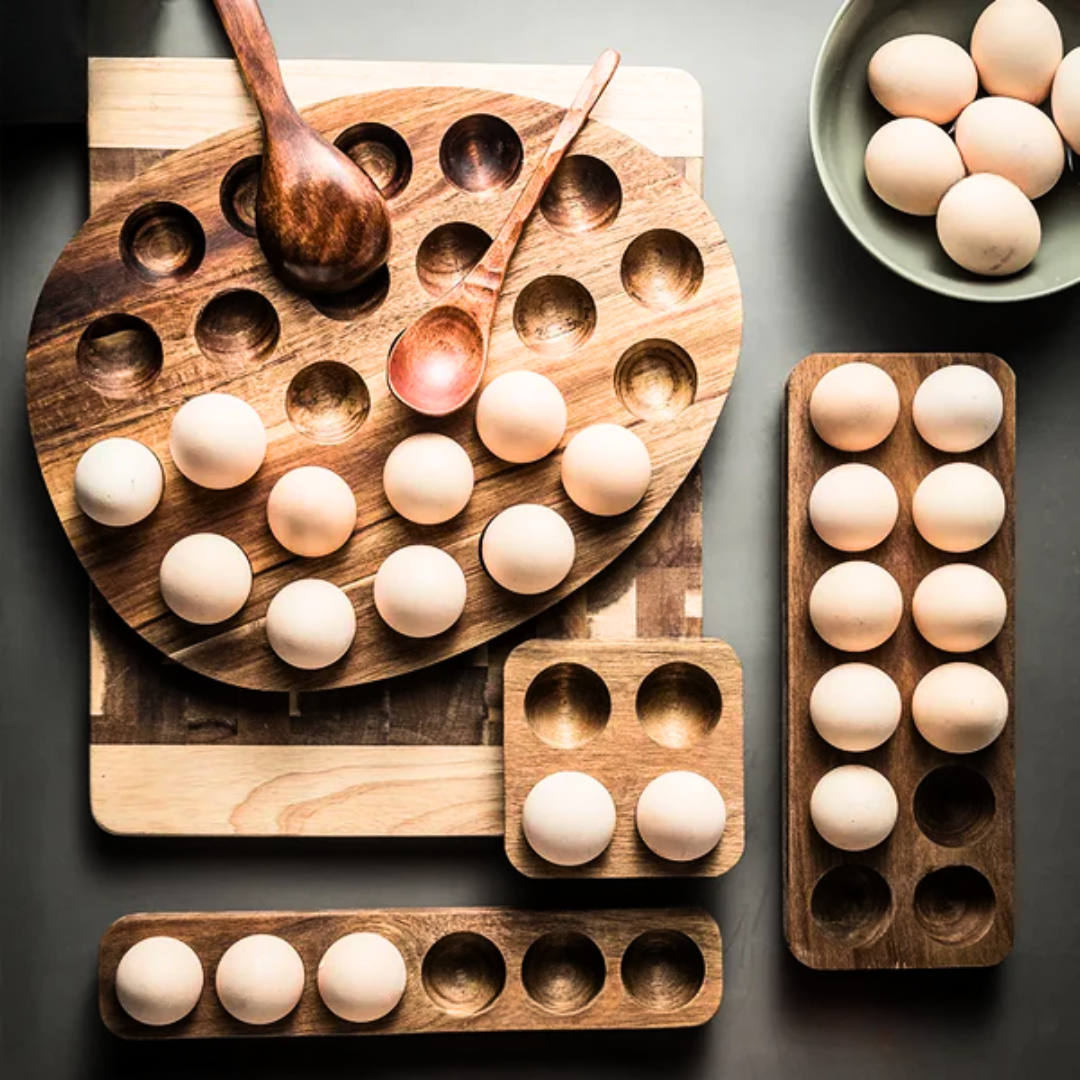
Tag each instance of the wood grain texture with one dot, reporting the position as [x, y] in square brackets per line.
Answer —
[882, 908]
[624, 712]
[657, 968]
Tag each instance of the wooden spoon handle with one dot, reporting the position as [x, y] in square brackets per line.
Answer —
[246, 28]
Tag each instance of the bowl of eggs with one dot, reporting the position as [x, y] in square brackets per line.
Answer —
[947, 137]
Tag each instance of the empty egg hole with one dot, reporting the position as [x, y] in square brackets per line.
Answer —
[954, 805]
[239, 190]
[358, 302]
[662, 269]
[563, 971]
[162, 242]
[382, 153]
[663, 969]
[238, 326]
[955, 905]
[327, 402]
[584, 195]
[119, 355]
[678, 704]
[567, 705]
[554, 315]
[481, 153]
[851, 904]
[463, 973]
[655, 379]
[448, 253]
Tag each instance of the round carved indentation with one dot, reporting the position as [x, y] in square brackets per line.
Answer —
[662, 269]
[954, 805]
[678, 704]
[237, 326]
[955, 905]
[162, 242]
[554, 315]
[563, 971]
[655, 379]
[463, 973]
[584, 195]
[358, 302]
[567, 705]
[448, 253]
[851, 904]
[663, 969]
[327, 402]
[382, 153]
[481, 153]
[119, 355]
[239, 190]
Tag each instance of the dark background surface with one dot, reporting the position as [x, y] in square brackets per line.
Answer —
[808, 287]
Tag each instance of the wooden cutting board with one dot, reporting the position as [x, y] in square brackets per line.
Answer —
[175, 753]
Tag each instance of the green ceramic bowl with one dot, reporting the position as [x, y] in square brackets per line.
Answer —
[844, 115]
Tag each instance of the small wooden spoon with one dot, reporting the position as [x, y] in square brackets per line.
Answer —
[321, 222]
[437, 364]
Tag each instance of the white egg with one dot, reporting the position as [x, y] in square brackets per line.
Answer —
[528, 549]
[1065, 100]
[910, 164]
[923, 75]
[856, 606]
[958, 507]
[420, 591]
[217, 441]
[311, 511]
[159, 981]
[1017, 47]
[521, 416]
[853, 507]
[681, 816]
[310, 624]
[362, 977]
[260, 979]
[205, 578]
[569, 818]
[854, 406]
[118, 482]
[855, 707]
[960, 708]
[958, 408]
[428, 478]
[606, 469]
[854, 808]
[959, 608]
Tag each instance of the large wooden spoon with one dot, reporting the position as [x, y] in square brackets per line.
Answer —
[321, 222]
[437, 364]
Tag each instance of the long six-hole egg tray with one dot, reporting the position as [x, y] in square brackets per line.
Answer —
[623, 292]
[467, 969]
[939, 892]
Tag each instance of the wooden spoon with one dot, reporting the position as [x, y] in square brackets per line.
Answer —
[437, 364]
[321, 222]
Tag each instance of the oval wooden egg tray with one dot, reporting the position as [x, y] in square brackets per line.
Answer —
[623, 291]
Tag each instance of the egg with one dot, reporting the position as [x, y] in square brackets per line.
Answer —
[310, 624]
[528, 549]
[1017, 47]
[159, 981]
[911, 163]
[362, 977]
[420, 591]
[428, 478]
[853, 507]
[681, 816]
[855, 707]
[854, 808]
[606, 469]
[568, 818]
[923, 75]
[1065, 100]
[958, 408]
[854, 406]
[959, 607]
[217, 441]
[958, 507]
[118, 482]
[960, 708]
[856, 606]
[521, 416]
[205, 578]
[987, 225]
[1013, 139]
[311, 511]
[260, 979]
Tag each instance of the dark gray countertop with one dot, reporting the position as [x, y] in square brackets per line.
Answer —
[808, 287]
